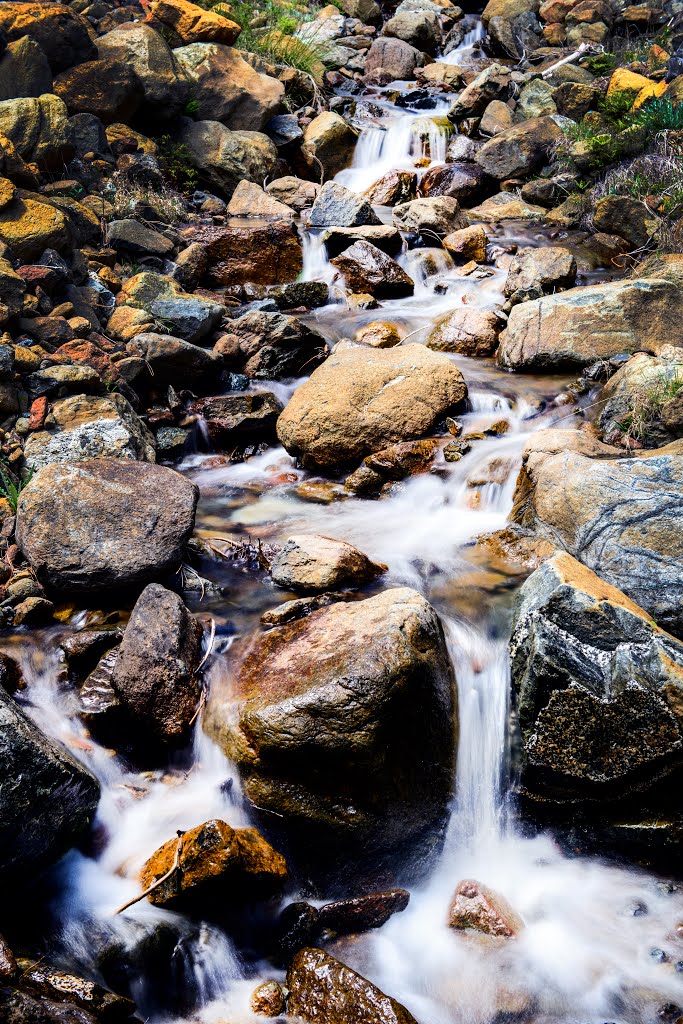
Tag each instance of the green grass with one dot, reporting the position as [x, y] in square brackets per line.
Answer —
[268, 30]
[11, 491]
[648, 401]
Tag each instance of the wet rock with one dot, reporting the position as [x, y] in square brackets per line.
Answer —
[538, 271]
[502, 207]
[336, 206]
[429, 217]
[294, 192]
[368, 760]
[329, 143]
[239, 417]
[311, 563]
[393, 59]
[361, 913]
[104, 524]
[477, 908]
[60, 992]
[190, 317]
[163, 359]
[137, 46]
[219, 866]
[367, 269]
[12, 288]
[384, 237]
[24, 70]
[626, 395]
[155, 674]
[268, 1000]
[270, 345]
[627, 217]
[614, 514]
[519, 150]
[263, 254]
[99, 706]
[47, 798]
[224, 158]
[360, 400]
[250, 200]
[8, 963]
[490, 84]
[469, 331]
[599, 687]
[227, 88]
[465, 182]
[393, 188]
[582, 325]
[108, 89]
[379, 334]
[33, 611]
[61, 33]
[324, 990]
[192, 24]
[467, 243]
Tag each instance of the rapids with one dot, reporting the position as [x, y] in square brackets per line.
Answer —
[588, 952]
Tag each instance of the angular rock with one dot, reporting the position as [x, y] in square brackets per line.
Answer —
[329, 143]
[465, 182]
[85, 427]
[360, 400]
[191, 24]
[270, 345]
[490, 84]
[134, 239]
[345, 722]
[469, 331]
[155, 673]
[367, 269]
[38, 129]
[467, 243]
[520, 150]
[218, 867]
[137, 46]
[384, 237]
[224, 158]
[393, 59]
[336, 206]
[61, 33]
[108, 89]
[420, 28]
[24, 70]
[263, 254]
[627, 217]
[239, 416]
[294, 192]
[537, 271]
[477, 908]
[626, 397]
[361, 913]
[169, 360]
[191, 317]
[250, 200]
[104, 524]
[312, 564]
[393, 188]
[437, 216]
[28, 228]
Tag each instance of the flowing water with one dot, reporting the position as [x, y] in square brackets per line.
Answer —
[589, 948]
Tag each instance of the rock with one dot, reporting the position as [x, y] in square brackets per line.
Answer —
[8, 963]
[490, 84]
[188, 316]
[264, 254]
[24, 70]
[437, 216]
[61, 33]
[47, 798]
[381, 741]
[507, 9]
[170, 360]
[361, 913]
[629, 218]
[134, 239]
[336, 206]
[501, 207]
[312, 564]
[294, 192]
[38, 129]
[537, 271]
[219, 866]
[137, 46]
[155, 673]
[520, 150]
[469, 331]
[465, 182]
[599, 688]
[393, 188]
[224, 158]
[329, 144]
[191, 24]
[641, 382]
[367, 269]
[12, 288]
[379, 334]
[239, 417]
[367, 11]
[106, 88]
[104, 524]
[325, 991]
[583, 325]
[360, 400]
[575, 99]
[384, 237]
[420, 28]
[85, 427]
[268, 1000]
[477, 908]
[617, 515]
[250, 200]
[227, 88]
[271, 345]
[467, 243]
[393, 59]
[66, 998]
[536, 99]
[28, 228]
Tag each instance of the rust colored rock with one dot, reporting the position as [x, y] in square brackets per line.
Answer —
[252, 254]
[217, 863]
[477, 908]
[393, 188]
[38, 413]
[268, 1000]
[61, 33]
[108, 89]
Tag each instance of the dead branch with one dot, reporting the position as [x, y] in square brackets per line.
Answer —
[160, 881]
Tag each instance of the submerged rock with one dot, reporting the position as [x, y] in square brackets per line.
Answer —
[239, 416]
[472, 332]
[104, 524]
[311, 563]
[362, 399]
[344, 728]
[218, 867]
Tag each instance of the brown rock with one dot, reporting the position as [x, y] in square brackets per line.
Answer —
[311, 563]
[250, 200]
[361, 913]
[268, 1000]
[29, 228]
[193, 24]
[270, 345]
[467, 330]
[520, 150]
[61, 33]
[379, 334]
[329, 142]
[367, 269]
[252, 254]
[477, 908]
[395, 187]
[468, 243]
[106, 88]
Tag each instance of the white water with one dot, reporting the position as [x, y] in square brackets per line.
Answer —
[583, 955]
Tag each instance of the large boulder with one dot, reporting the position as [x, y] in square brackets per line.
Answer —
[224, 158]
[599, 688]
[490, 85]
[439, 215]
[627, 217]
[136, 45]
[312, 564]
[47, 799]
[270, 345]
[361, 399]
[420, 28]
[38, 129]
[105, 524]
[190, 317]
[29, 228]
[538, 270]
[368, 269]
[323, 990]
[471, 332]
[261, 254]
[336, 206]
[519, 150]
[580, 326]
[61, 33]
[344, 727]
[464, 181]
[109, 89]
[617, 515]
[228, 89]
[190, 23]
[87, 427]
[329, 144]
[155, 673]
[24, 70]
[393, 59]
[169, 360]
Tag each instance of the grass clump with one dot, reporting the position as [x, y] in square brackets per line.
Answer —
[647, 401]
[271, 31]
[175, 161]
[126, 196]
[654, 177]
[11, 491]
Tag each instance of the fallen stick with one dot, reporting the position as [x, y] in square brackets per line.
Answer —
[160, 881]
[567, 60]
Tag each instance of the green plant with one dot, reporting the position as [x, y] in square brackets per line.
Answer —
[11, 491]
[601, 64]
[647, 401]
[273, 31]
[175, 161]
[659, 114]
[191, 107]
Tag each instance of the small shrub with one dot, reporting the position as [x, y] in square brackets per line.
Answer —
[601, 64]
[655, 175]
[126, 196]
[191, 108]
[659, 114]
[648, 400]
[11, 491]
[175, 161]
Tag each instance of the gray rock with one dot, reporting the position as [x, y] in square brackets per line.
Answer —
[393, 58]
[62, 34]
[24, 70]
[419, 28]
[383, 237]
[39, 130]
[134, 239]
[490, 84]
[536, 271]
[173, 361]
[224, 158]
[191, 317]
[434, 216]
[239, 416]
[311, 564]
[271, 345]
[367, 269]
[519, 150]
[336, 206]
